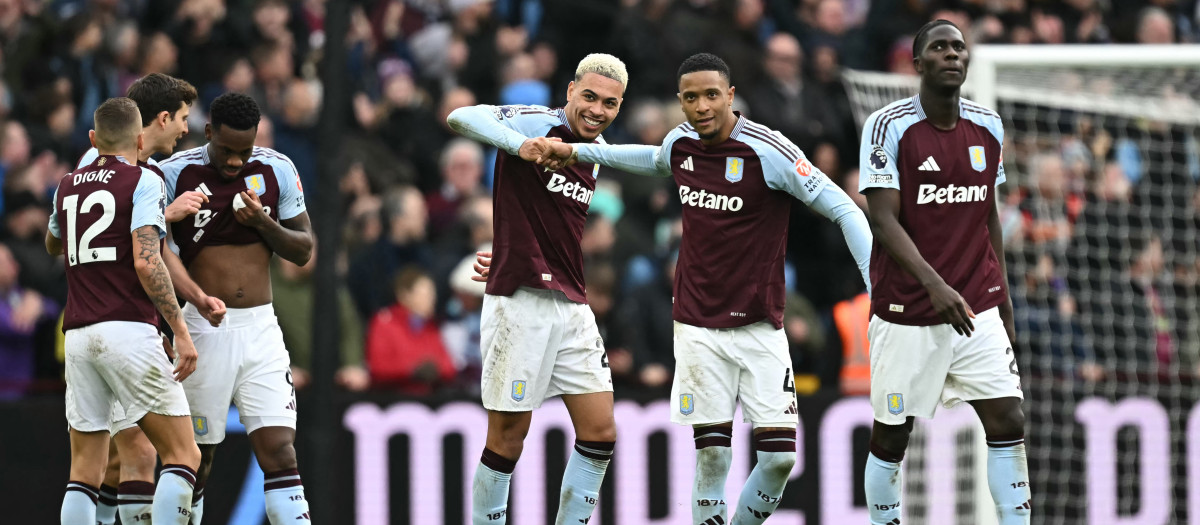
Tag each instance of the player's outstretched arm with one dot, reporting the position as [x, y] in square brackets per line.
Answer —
[835, 205]
[291, 238]
[633, 158]
[480, 123]
[156, 281]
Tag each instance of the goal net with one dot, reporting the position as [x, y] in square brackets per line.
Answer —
[1100, 216]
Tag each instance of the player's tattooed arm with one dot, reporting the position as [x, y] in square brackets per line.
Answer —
[156, 281]
[153, 273]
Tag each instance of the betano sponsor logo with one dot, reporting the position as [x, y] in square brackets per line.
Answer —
[574, 190]
[712, 201]
[952, 194]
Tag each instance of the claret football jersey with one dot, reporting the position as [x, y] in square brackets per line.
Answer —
[947, 181]
[270, 174]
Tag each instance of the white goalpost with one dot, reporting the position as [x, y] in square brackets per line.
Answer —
[1102, 229]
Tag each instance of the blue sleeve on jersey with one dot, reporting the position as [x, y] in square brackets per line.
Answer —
[877, 162]
[638, 159]
[291, 196]
[171, 174]
[54, 216]
[149, 201]
[88, 158]
[789, 170]
[505, 127]
[833, 203]
[633, 158]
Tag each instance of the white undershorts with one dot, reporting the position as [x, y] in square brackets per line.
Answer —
[913, 368]
[243, 361]
[717, 367]
[537, 344]
[118, 362]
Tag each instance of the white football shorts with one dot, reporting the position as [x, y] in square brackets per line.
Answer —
[118, 362]
[716, 367]
[915, 367]
[243, 361]
[536, 344]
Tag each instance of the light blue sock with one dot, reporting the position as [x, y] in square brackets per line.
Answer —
[79, 504]
[489, 494]
[776, 451]
[581, 481]
[106, 506]
[713, 458]
[1008, 479]
[883, 483]
[284, 495]
[173, 496]
[198, 504]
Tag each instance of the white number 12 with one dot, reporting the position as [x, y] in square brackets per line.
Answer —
[108, 209]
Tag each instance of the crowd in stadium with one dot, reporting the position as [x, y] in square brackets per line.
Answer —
[417, 198]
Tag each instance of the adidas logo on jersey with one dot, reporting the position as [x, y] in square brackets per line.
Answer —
[927, 193]
[203, 188]
[929, 165]
[687, 164]
[574, 190]
[712, 201]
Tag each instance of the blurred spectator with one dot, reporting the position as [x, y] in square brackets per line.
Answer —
[1050, 209]
[25, 224]
[785, 101]
[648, 326]
[806, 337]
[850, 320]
[405, 217]
[462, 170]
[601, 281]
[20, 312]
[292, 292]
[295, 130]
[404, 344]
[461, 331]
[1155, 27]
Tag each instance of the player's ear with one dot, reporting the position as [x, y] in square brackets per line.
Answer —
[163, 117]
[208, 131]
[92, 137]
[141, 141]
[731, 90]
[570, 90]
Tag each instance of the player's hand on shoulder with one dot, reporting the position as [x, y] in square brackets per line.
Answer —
[185, 357]
[187, 204]
[483, 266]
[252, 214]
[212, 309]
[534, 148]
[952, 308]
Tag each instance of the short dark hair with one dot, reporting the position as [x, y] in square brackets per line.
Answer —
[116, 122]
[156, 93]
[703, 62]
[235, 110]
[923, 34]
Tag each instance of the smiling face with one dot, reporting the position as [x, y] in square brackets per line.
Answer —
[942, 61]
[592, 103]
[173, 129]
[707, 101]
[229, 149]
